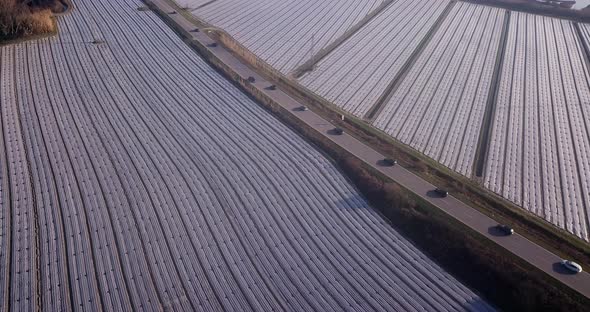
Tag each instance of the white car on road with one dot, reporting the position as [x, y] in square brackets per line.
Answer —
[572, 266]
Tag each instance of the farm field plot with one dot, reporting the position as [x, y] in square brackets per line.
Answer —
[539, 153]
[193, 4]
[134, 177]
[438, 107]
[284, 33]
[356, 74]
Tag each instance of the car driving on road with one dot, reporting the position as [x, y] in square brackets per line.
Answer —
[571, 266]
[337, 131]
[389, 162]
[507, 230]
[441, 192]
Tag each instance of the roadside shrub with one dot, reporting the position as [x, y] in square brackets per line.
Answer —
[21, 19]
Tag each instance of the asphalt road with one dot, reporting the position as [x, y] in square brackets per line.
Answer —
[517, 244]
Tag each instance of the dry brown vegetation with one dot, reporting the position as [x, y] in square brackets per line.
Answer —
[22, 18]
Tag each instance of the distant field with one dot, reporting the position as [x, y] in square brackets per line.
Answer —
[540, 146]
[134, 177]
[283, 33]
[579, 9]
[438, 108]
[355, 74]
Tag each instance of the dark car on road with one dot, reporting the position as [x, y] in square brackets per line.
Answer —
[389, 162]
[337, 131]
[441, 192]
[507, 230]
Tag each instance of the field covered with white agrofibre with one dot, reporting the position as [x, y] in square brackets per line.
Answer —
[134, 177]
[438, 108]
[540, 144]
[283, 33]
[356, 73]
